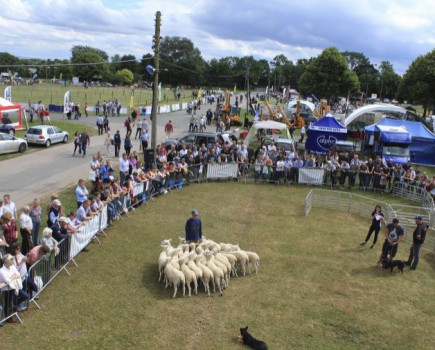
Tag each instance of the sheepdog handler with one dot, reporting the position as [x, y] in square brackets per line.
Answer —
[193, 228]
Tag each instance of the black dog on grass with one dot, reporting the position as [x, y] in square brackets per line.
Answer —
[251, 341]
[391, 264]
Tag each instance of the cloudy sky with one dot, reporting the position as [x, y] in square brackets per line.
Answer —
[393, 30]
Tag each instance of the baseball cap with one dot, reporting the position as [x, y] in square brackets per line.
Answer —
[195, 212]
[419, 218]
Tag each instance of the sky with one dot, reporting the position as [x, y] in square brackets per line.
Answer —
[394, 30]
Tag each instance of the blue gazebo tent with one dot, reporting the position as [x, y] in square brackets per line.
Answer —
[322, 135]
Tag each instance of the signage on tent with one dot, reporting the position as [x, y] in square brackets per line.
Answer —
[326, 142]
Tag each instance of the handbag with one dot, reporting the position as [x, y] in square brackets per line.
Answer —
[92, 176]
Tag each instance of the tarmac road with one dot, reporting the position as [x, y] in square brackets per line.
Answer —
[38, 174]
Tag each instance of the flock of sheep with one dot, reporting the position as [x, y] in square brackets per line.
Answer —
[207, 261]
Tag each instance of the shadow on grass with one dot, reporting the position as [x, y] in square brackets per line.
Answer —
[430, 259]
[373, 271]
[150, 280]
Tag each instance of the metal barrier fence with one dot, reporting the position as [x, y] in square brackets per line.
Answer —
[419, 195]
[363, 206]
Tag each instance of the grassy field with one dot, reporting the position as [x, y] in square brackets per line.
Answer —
[316, 287]
[70, 126]
[54, 94]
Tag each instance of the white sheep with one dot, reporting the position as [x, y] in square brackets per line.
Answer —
[207, 275]
[254, 259]
[233, 261]
[217, 272]
[242, 258]
[174, 277]
[189, 275]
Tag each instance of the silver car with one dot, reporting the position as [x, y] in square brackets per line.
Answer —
[10, 143]
[46, 135]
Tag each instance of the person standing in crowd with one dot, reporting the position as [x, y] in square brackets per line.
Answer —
[85, 140]
[106, 124]
[144, 138]
[108, 141]
[394, 234]
[138, 128]
[86, 109]
[418, 237]
[8, 275]
[8, 206]
[302, 134]
[35, 215]
[81, 193]
[9, 225]
[169, 129]
[123, 168]
[127, 125]
[128, 145]
[117, 139]
[54, 213]
[26, 227]
[193, 228]
[100, 122]
[377, 218]
[77, 143]
[97, 108]
[145, 125]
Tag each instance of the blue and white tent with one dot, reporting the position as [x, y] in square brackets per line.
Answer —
[422, 148]
[323, 134]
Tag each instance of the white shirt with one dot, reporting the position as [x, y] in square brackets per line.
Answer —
[11, 208]
[94, 164]
[303, 130]
[23, 270]
[123, 165]
[26, 221]
[6, 275]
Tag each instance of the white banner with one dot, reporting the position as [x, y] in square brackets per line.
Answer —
[90, 109]
[184, 105]
[164, 109]
[86, 233]
[311, 176]
[224, 170]
[123, 110]
[8, 94]
[175, 107]
[137, 189]
[66, 100]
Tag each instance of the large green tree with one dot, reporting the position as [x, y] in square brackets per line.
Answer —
[183, 61]
[389, 80]
[418, 83]
[124, 76]
[328, 76]
[367, 74]
[96, 70]
[78, 50]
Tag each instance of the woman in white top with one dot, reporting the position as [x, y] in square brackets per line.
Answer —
[108, 143]
[11, 285]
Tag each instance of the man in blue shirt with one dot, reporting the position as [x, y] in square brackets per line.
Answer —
[81, 193]
[193, 228]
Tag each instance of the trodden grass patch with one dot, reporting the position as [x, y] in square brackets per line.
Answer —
[316, 287]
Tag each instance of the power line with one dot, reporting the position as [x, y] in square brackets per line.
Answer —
[69, 64]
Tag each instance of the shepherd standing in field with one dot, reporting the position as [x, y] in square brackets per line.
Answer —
[193, 228]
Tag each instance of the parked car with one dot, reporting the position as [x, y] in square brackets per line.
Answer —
[7, 128]
[343, 147]
[106, 85]
[198, 138]
[46, 135]
[9, 143]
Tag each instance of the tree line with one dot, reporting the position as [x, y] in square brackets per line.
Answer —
[329, 75]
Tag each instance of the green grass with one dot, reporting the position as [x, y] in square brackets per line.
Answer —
[316, 287]
[70, 126]
[54, 94]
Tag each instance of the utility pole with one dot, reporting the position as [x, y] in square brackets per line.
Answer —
[155, 104]
[248, 95]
